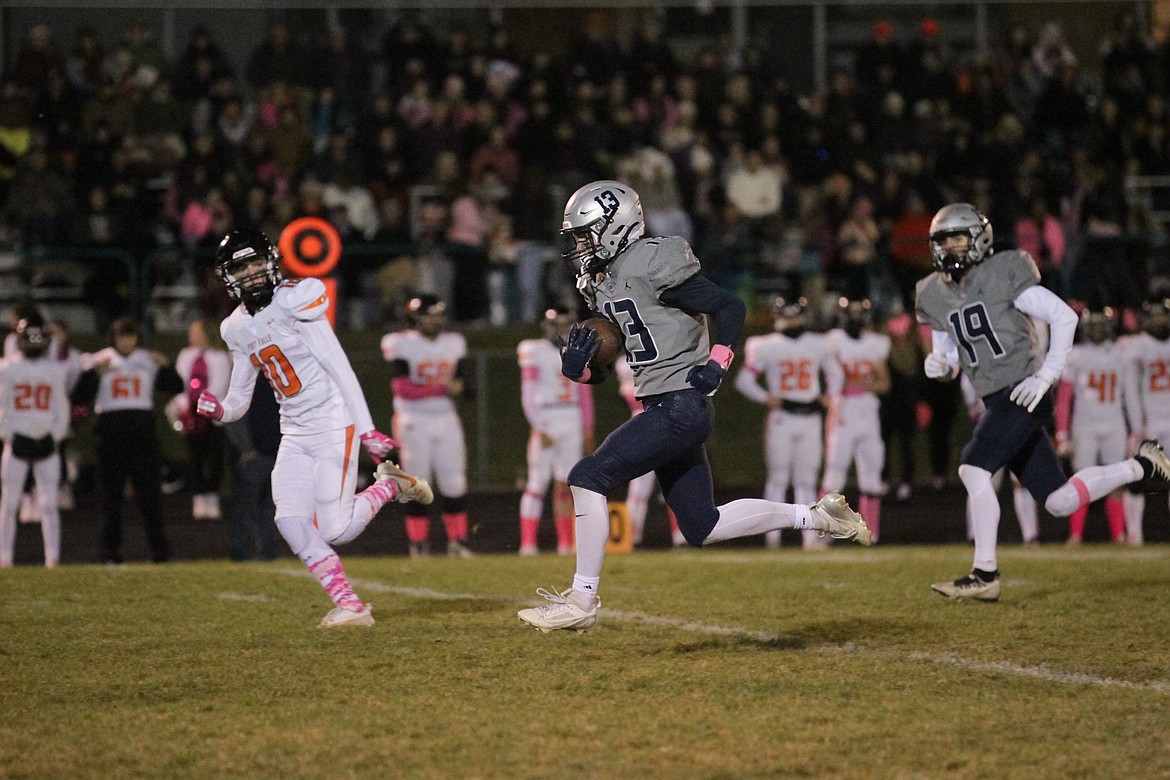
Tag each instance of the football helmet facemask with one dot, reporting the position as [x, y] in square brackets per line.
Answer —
[854, 315]
[249, 281]
[959, 219]
[1098, 327]
[790, 316]
[601, 220]
[32, 338]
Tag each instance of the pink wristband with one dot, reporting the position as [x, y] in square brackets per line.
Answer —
[722, 355]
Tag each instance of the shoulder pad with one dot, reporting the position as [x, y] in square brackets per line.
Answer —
[304, 299]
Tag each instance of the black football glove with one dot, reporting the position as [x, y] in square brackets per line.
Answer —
[707, 377]
[577, 350]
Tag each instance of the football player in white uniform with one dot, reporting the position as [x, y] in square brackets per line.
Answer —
[427, 370]
[1101, 388]
[1150, 352]
[642, 488]
[853, 429]
[560, 413]
[280, 329]
[791, 362]
[34, 419]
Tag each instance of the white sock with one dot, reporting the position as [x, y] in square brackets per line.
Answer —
[748, 516]
[1025, 507]
[592, 528]
[1092, 483]
[1135, 509]
[984, 506]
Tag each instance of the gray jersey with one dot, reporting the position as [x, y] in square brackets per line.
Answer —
[662, 342]
[997, 342]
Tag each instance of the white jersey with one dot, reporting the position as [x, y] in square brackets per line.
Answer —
[791, 367]
[1104, 387]
[293, 344]
[1151, 358]
[219, 368]
[34, 398]
[430, 363]
[859, 359]
[126, 382]
[550, 400]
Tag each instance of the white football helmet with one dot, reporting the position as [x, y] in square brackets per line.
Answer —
[955, 219]
[601, 220]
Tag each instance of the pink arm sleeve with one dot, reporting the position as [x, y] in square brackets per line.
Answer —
[1064, 394]
[587, 415]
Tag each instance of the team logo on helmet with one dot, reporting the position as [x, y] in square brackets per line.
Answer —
[601, 220]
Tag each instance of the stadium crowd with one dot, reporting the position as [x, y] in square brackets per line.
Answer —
[451, 151]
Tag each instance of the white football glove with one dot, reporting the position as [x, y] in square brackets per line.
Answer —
[1029, 392]
[936, 366]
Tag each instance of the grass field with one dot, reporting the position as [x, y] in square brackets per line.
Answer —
[719, 663]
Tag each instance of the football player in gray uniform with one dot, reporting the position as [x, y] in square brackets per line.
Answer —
[651, 288]
[978, 304]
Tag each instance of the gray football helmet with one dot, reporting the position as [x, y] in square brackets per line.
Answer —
[956, 219]
[601, 220]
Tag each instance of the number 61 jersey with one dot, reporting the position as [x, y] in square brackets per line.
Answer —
[997, 342]
[270, 341]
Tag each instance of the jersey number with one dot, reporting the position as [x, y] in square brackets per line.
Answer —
[1105, 383]
[795, 375]
[29, 397]
[625, 314]
[1159, 377]
[126, 387]
[971, 323]
[278, 371]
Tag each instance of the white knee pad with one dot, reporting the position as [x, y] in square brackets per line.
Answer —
[1063, 501]
[303, 539]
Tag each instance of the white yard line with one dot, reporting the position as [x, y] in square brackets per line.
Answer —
[947, 659]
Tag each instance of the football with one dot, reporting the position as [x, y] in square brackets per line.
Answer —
[610, 338]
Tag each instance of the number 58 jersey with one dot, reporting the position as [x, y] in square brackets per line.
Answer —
[271, 341]
[997, 342]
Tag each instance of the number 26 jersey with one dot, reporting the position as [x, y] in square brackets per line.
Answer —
[997, 342]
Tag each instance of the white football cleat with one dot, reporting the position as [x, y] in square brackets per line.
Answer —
[341, 616]
[841, 521]
[969, 586]
[1155, 466]
[457, 549]
[409, 488]
[563, 611]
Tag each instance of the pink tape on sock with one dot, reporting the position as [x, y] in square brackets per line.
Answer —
[331, 574]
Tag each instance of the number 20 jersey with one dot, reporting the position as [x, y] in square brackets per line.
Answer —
[662, 342]
[310, 401]
[997, 342]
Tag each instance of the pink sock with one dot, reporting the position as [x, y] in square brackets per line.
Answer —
[1076, 523]
[564, 526]
[456, 525]
[379, 495]
[871, 513]
[330, 573]
[1115, 514]
[528, 526]
[418, 529]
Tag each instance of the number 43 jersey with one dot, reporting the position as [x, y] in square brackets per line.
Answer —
[997, 342]
[662, 342]
[273, 341]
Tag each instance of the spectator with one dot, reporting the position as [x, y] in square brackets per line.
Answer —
[203, 364]
[276, 58]
[1041, 235]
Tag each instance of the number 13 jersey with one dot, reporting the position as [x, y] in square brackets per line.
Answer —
[997, 342]
[271, 341]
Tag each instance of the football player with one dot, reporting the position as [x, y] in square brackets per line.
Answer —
[34, 419]
[427, 370]
[1098, 393]
[853, 430]
[652, 289]
[560, 413]
[978, 305]
[641, 489]
[1150, 352]
[792, 361]
[280, 329]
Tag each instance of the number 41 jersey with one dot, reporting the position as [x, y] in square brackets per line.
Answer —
[997, 342]
[270, 341]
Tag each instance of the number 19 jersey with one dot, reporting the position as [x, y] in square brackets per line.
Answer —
[997, 342]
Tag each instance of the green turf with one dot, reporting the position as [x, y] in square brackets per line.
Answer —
[719, 663]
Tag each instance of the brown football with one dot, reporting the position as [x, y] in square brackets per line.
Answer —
[611, 339]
